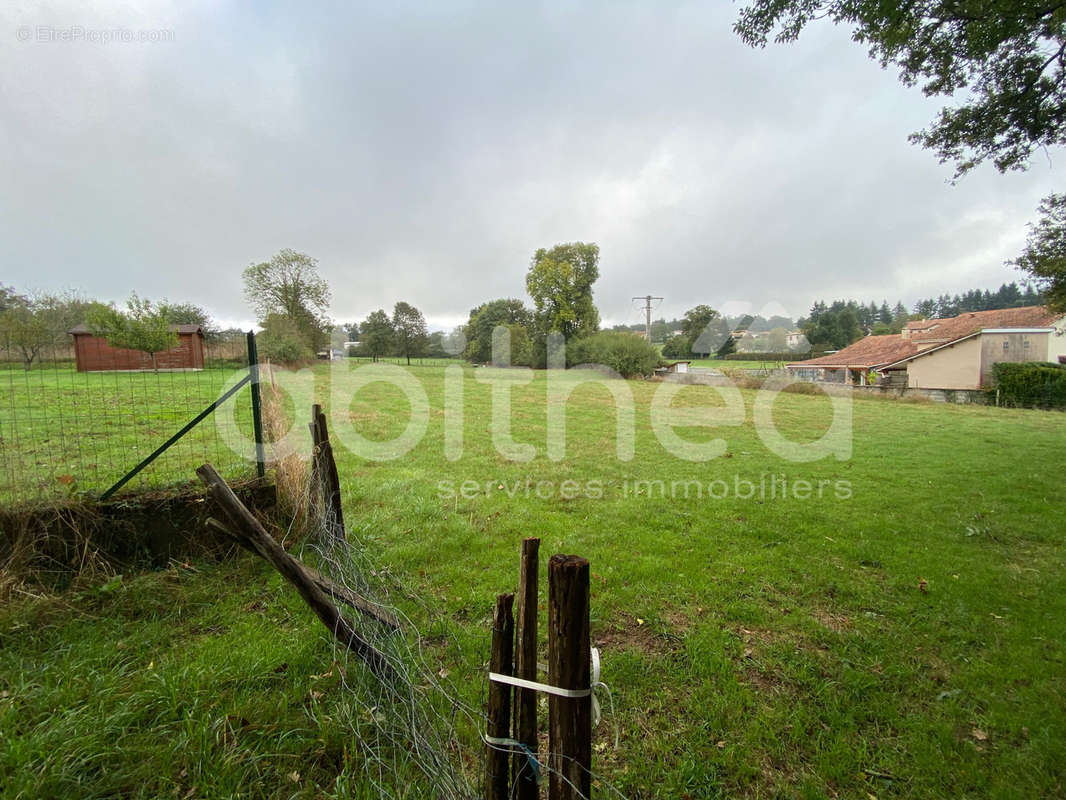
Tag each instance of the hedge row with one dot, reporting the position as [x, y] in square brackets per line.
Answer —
[1031, 384]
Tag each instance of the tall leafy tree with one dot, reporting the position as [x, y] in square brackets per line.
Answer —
[677, 346]
[191, 314]
[9, 298]
[1003, 64]
[1044, 255]
[144, 326]
[1009, 58]
[376, 334]
[834, 326]
[484, 319]
[884, 313]
[560, 281]
[24, 332]
[289, 284]
[283, 341]
[409, 330]
[29, 326]
[696, 327]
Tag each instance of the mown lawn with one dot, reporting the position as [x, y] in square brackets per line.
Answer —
[722, 363]
[64, 432]
[900, 637]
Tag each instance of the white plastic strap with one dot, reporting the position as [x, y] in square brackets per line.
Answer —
[522, 683]
[547, 688]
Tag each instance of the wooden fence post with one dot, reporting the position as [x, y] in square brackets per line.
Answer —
[324, 476]
[498, 778]
[525, 706]
[569, 667]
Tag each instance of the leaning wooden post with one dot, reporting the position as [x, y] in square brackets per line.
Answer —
[525, 705]
[569, 667]
[325, 480]
[316, 461]
[498, 779]
[331, 479]
[245, 523]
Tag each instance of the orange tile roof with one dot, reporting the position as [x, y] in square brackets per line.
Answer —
[952, 328]
[869, 352]
[921, 335]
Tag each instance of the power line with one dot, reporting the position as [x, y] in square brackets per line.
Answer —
[647, 314]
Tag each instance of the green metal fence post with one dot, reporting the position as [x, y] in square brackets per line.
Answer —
[257, 405]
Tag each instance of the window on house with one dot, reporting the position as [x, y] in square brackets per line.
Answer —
[1025, 344]
[1006, 344]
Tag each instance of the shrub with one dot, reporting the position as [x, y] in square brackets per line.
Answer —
[1031, 384]
[677, 347]
[803, 388]
[628, 355]
[283, 341]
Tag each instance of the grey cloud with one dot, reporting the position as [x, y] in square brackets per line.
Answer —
[423, 151]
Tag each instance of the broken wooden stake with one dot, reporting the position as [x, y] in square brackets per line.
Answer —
[324, 476]
[248, 527]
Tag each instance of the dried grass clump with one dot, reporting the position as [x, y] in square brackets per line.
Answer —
[292, 474]
[50, 548]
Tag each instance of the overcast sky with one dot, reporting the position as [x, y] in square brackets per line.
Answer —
[423, 151]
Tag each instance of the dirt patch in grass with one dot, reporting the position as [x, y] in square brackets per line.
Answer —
[645, 636]
[763, 682]
[835, 622]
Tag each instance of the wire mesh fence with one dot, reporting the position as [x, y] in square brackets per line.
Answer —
[78, 414]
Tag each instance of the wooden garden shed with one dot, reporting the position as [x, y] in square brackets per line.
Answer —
[93, 354]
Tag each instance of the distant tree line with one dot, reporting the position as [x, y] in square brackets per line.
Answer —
[842, 322]
[559, 283]
[1009, 295]
[35, 324]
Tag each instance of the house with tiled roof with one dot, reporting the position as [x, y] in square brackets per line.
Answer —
[953, 353]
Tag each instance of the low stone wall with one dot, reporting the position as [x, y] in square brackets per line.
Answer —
[963, 396]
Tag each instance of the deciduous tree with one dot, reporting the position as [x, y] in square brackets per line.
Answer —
[696, 326]
[484, 319]
[1002, 63]
[289, 284]
[1044, 255]
[409, 330]
[375, 334]
[1009, 58]
[144, 326]
[24, 332]
[560, 281]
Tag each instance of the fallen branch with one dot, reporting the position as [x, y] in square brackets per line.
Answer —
[293, 571]
[345, 595]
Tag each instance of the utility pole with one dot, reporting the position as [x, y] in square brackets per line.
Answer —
[647, 314]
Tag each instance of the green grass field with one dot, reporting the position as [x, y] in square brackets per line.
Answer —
[903, 641]
[63, 431]
[726, 364]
